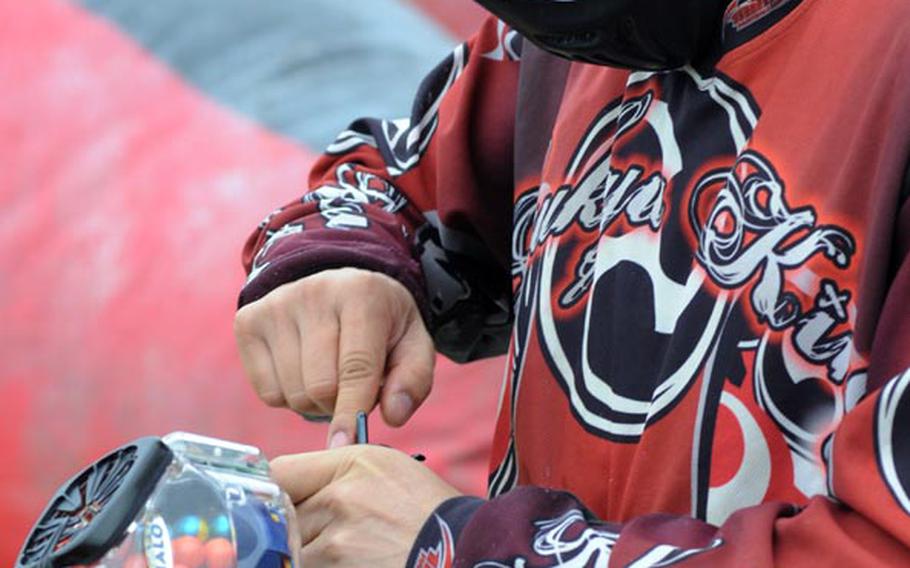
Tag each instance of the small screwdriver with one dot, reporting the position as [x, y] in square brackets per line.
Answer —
[362, 436]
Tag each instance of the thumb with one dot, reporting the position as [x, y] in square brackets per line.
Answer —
[362, 347]
[410, 376]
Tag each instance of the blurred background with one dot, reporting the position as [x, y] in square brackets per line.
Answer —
[140, 142]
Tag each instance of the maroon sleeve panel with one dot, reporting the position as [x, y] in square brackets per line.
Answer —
[426, 200]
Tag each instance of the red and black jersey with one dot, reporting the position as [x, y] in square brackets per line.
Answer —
[699, 276]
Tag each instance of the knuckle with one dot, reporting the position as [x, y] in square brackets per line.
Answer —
[245, 323]
[322, 392]
[275, 305]
[362, 456]
[368, 282]
[357, 367]
[378, 459]
[299, 401]
[272, 398]
[302, 289]
[288, 299]
[372, 279]
[310, 299]
[340, 497]
[336, 544]
[380, 454]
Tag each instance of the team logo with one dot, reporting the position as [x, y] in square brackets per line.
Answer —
[443, 554]
[605, 244]
[741, 14]
[673, 254]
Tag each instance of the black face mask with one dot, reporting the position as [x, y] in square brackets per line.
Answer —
[649, 35]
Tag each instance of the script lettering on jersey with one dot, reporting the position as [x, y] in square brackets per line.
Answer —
[571, 541]
[751, 231]
[595, 203]
[602, 196]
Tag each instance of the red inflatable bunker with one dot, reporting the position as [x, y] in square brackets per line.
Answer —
[131, 170]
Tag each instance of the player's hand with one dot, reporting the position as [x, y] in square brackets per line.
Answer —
[335, 343]
[359, 506]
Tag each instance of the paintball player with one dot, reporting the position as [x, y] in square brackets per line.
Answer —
[685, 221]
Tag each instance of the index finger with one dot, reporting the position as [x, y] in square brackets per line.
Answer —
[362, 350]
[303, 475]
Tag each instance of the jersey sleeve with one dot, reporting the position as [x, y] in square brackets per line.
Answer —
[425, 199]
[863, 519]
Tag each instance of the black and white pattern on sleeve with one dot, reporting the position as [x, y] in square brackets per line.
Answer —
[892, 443]
[403, 141]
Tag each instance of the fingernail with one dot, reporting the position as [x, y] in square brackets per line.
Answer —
[339, 439]
[401, 405]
